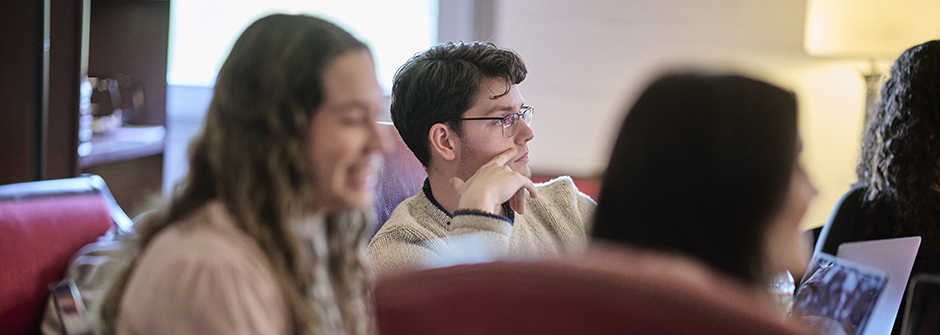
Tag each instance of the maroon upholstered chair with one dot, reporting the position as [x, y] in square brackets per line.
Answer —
[42, 224]
[605, 292]
[401, 177]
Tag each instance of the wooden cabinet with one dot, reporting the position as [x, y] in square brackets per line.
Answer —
[46, 48]
[129, 39]
[40, 48]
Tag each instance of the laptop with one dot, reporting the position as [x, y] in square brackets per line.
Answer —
[896, 257]
[837, 296]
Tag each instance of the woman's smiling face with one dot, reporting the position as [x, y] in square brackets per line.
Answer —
[346, 144]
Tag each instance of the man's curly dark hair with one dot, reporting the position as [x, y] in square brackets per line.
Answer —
[439, 84]
[901, 145]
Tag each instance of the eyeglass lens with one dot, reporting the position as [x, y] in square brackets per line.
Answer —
[509, 124]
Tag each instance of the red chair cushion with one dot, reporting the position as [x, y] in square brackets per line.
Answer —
[37, 239]
[604, 292]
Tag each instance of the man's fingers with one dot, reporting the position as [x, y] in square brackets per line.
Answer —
[529, 185]
[517, 202]
[504, 157]
[497, 183]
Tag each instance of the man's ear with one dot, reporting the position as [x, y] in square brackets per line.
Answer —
[443, 141]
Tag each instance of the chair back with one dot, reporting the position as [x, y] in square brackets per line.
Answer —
[401, 177]
[844, 223]
[608, 292]
[42, 225]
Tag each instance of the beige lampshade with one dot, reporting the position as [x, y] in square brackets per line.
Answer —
[869, 28]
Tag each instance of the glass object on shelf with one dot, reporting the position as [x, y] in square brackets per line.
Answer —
[105, 105]
[85, 117]
[782, 288]
[115, 101]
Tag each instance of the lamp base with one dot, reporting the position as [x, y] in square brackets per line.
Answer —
[873, 82]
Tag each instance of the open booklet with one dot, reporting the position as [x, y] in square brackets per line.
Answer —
[838, 295]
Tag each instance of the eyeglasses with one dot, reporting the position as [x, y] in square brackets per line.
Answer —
[509, 121]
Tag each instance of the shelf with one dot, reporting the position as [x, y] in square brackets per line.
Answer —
[123, 144]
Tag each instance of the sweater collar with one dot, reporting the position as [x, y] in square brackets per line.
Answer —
[427, 193]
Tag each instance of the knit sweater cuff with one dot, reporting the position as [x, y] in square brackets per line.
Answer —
[478, 221]
[480, 213]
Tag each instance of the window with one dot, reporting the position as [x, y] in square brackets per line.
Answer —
[202, 31]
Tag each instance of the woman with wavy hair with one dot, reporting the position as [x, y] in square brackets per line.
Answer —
[267, 233]
[705, 167]
[899, 168]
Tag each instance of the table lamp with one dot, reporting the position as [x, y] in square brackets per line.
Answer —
[874, 30]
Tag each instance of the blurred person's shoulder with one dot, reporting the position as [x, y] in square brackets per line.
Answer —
[203, 272]
[209, 234]
[561, 187]
[561, 198]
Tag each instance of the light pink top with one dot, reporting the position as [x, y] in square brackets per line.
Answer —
[203, 276]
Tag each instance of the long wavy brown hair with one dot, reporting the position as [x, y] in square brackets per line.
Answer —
[901, 146]
[252, 156]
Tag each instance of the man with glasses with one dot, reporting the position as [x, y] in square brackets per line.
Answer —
[458, 108]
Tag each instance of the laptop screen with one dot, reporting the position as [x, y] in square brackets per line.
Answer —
[837, 296]
[896, 257]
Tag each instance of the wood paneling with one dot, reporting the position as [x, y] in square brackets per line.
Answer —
[64, 76]
[20, 52]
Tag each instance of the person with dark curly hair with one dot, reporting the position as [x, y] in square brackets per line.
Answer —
[898, 189]
[900, 160]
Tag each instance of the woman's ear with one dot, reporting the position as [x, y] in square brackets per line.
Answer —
[443, 142]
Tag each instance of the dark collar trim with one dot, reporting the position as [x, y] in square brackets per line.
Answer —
[511, 215]
[427, 193]
[481, 213]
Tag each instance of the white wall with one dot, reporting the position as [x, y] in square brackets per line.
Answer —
[589, 59]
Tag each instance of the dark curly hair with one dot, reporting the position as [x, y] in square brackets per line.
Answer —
[440, 84]
[901, 145]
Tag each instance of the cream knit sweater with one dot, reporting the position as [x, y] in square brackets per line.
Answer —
[420, 234]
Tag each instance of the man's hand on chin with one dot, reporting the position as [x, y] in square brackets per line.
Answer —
[493, 184]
